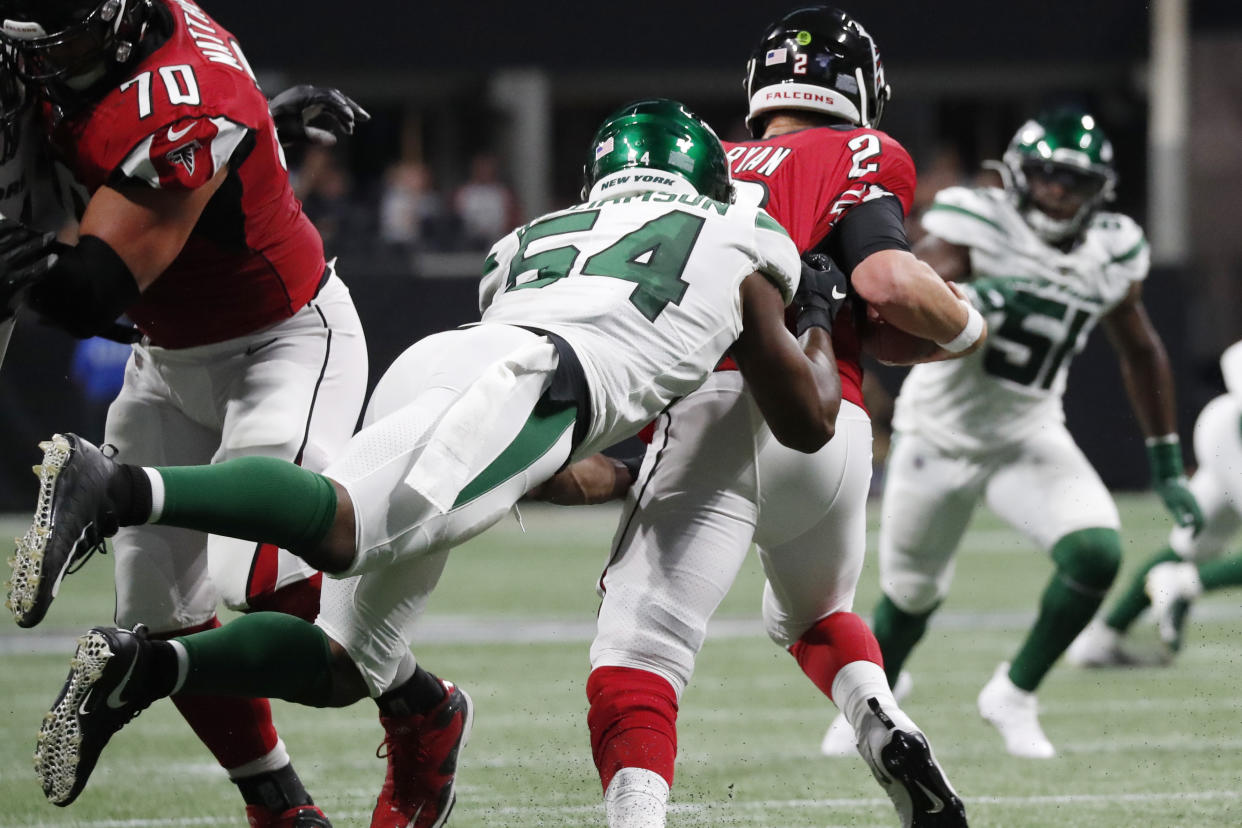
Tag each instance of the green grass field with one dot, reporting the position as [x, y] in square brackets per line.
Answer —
[511, 623]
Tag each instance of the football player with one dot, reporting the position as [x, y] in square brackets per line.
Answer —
[1046, 263]
[594, 319]
[713, 480]
[1192, 563]
[250, 343]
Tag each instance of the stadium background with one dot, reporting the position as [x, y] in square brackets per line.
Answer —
[527, 83]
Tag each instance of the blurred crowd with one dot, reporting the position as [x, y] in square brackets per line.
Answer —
[406, 211]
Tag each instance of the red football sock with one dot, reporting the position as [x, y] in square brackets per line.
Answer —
[236, 730]
[299, 599]
[832, 643]
[633, 722]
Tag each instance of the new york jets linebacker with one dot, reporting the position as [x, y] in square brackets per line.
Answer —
[595, 318]
[1046, 265]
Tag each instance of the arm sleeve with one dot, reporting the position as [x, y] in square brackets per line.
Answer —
[868, 228]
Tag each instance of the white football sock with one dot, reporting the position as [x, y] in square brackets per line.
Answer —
[859, 681]
[636, 798]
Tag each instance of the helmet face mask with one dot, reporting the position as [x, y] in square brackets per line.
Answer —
[641, 144]
[817, 59]
[1058, 171]
[70, 44]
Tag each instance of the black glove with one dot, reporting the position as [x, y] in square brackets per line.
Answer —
[25, 255]
[308, 114]
[821, 292]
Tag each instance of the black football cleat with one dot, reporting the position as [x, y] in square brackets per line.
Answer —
[902, 762]
[72, 518]
[100, 697]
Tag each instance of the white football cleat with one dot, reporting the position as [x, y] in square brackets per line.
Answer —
[1172, 587]
[1015, 713]
[839, 738]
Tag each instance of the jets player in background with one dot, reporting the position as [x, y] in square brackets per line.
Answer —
[1045, 265]
[594, 319]
[713, 479]
[251, 344]
[1192, 563]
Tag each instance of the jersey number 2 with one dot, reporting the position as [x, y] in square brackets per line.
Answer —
[653, 257]
[864, 146]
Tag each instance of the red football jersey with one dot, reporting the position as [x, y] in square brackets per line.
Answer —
[182, 112]
[807, 180]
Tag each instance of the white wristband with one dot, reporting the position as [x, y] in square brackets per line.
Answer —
[969, 335]
[1164, 439]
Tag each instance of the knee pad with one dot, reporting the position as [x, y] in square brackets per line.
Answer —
[1089, 558]
[632, 721]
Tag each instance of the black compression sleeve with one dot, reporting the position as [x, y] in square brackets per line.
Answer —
[86, 290]
[868, 228]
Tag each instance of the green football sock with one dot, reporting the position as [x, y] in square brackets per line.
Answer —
[261, 655]
[254, 498]
[897, 631]
[1087, 561]
[1218, 574]
[1134, 600]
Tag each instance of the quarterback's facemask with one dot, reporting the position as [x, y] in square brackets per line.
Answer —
[816, 59]
[656, 144]
[71, 42]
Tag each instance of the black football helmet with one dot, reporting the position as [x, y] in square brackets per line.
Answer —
[71, 43]
[817, 59]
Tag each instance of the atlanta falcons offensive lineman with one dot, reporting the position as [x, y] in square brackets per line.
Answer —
[251, 344]
[713, 480]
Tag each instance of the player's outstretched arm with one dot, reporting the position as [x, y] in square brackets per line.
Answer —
[1148, 379]
[907, 293]
[794, 381]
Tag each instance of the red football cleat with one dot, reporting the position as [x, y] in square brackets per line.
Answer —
[422, 756]
[299, 816]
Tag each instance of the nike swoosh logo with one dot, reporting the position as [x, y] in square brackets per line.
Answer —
[259, 346]
[837, 293]
[936, 802]
[174, 135]
[115, 701]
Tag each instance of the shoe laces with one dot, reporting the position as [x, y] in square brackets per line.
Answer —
[100, 530]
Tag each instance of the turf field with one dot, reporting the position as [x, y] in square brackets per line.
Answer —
[511, 622]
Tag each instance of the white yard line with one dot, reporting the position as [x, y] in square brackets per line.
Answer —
[477, 629]
[691, 809]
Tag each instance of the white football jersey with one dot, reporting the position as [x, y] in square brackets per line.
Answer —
[645, 288]
[1040, 303]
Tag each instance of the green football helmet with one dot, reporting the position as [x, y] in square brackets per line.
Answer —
[1068, 147]
[640, 145]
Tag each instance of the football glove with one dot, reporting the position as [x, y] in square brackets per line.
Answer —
[25, 256]
[318, 115]
[1168, 479]
[821, 292]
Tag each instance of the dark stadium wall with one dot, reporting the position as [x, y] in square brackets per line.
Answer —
[487, 34]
